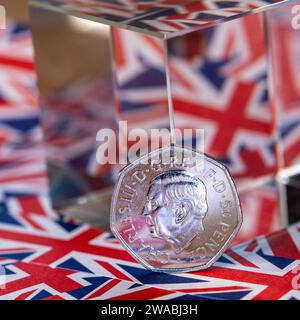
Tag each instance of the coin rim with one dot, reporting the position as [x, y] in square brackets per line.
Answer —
[185, 269]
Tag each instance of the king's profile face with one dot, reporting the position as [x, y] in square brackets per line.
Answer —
[160, 216]
[170, 210]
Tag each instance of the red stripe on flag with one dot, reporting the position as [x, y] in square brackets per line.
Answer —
[146, 294]
[283, 245]
[25, 295]
[212, 289]
[16, 63]
[252, 245]
[104, 289]
[114, 271]
[240, 259]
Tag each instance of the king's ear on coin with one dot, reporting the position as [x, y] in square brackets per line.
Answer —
[176, 207]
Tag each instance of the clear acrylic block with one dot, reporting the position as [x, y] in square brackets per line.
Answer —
[230, 75]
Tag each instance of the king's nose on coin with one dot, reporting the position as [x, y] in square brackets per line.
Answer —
[175, 210]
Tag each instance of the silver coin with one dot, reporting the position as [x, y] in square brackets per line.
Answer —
[175, 210]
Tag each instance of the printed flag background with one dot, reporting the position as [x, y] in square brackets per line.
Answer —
[46, 257]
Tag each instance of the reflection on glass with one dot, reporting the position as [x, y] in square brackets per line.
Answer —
[219, 83]
[76, 95]
[284, 67]
[262, 210]
[226, 78]
[285, 51]
[140, 88]
[161, 18]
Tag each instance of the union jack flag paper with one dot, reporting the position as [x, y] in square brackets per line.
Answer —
[45, 257]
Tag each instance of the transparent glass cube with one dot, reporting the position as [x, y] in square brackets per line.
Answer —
[234, 72]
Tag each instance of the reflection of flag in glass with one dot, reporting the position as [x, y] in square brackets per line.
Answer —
[285, 48]
[163, 16]
[221, 88]
[261, 211]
